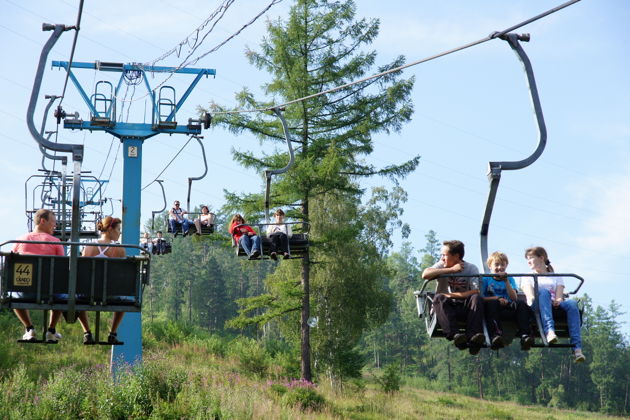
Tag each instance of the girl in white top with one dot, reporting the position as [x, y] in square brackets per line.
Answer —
[279, 233]
[110, 233]
[205, 218]
[551, 294]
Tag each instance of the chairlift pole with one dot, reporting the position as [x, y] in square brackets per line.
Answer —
[495, 168]
[270, 172]
[153, 213]
[75, 149]
[132, 136]
[205, 171]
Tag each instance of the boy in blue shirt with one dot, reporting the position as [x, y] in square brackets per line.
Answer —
[500, 295]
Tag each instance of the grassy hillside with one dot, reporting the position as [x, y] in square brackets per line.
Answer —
[188, 374]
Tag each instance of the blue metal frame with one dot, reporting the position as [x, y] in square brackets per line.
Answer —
[132, 136]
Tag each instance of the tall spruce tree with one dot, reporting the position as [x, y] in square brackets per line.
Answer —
[318, 47]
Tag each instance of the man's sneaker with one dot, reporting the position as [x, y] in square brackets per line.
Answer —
[478, 339]
[185, 234]
[52, 337]
[29, 335]
[273, 256]
[459, 340]
[579, 356]
[255, 254]
[88, 339]
[552, 338]
[497, 343]
[527, 342]
[474, 350]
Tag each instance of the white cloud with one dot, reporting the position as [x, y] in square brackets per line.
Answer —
[601, 243]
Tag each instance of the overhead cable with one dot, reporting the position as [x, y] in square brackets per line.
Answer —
[168, 164]
[405, 66]
[74, 45]
[196, 44]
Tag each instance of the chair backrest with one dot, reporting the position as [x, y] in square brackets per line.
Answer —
[44, 280]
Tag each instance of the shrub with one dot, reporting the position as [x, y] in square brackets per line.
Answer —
[390, 380]
[303, 398]
[278, 389]
[251, 356]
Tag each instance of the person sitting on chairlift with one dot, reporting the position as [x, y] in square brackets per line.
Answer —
[279, 233]
[245, 236]
[147, 243]
[457, 295]
[551, 294]
[205, 218]
[45, 223]
[159, 244]
[178, 218]
[110, 233]
[499, 294]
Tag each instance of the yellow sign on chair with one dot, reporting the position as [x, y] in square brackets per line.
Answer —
[23, 275]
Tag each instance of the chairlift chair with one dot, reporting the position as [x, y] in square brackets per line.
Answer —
[424, 306]
[52, 192]
[298, 242]
[102, 285]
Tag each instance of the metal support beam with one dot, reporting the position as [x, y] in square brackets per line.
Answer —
[495, 168]
[130, 330]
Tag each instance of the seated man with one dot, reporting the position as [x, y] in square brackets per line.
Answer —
[45, 222]
[177, 218]
[457, 296]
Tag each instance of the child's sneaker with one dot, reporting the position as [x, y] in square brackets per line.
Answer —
[552, 338]
[579, 356]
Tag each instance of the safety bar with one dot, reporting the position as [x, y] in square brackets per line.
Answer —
[534, 275]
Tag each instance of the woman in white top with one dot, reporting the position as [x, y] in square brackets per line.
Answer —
[551, 294]
[279, 233]
[110, 233]
[205, 218]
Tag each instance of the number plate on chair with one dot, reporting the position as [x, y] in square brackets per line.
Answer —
[23, 275]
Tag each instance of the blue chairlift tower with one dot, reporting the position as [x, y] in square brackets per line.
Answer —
[102, 105]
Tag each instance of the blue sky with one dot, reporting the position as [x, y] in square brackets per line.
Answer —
[470, 108]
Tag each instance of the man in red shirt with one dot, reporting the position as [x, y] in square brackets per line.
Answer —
[45, 222]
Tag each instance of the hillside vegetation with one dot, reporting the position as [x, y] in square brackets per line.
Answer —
[190, 374]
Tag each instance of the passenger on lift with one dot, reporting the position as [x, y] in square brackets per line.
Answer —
[147, 243]
[205, 218]
[160, 245]
[499, 294]
[110, 233]
[246, 237]
[178, 218]
[279, 233]
[457, 296]
[551, 294]
[45, 222]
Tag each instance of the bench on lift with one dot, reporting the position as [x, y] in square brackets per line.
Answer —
[424, 305]
[205, 229]
[298, 242]
[103, 284]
